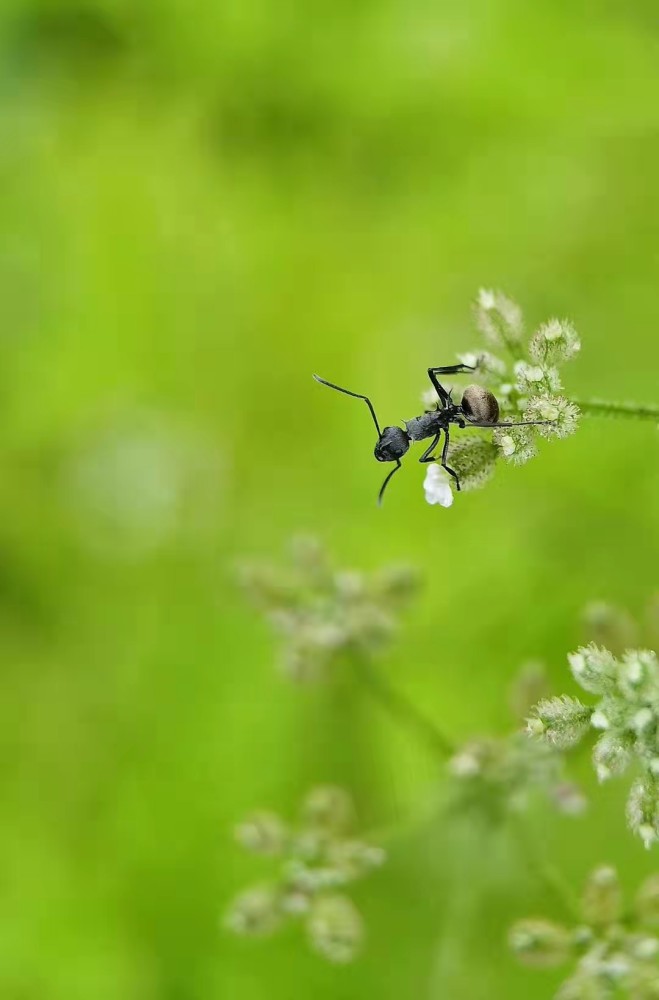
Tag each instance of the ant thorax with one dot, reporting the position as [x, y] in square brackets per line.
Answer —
[427, 425]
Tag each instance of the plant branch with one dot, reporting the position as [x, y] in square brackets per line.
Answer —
[400, 708]
[602, 408]
[546, 873]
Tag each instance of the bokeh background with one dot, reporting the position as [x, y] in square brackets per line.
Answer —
[202, 202]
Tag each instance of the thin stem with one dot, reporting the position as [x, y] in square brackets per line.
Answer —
[602, 408]
[546, 873]
[400, 708]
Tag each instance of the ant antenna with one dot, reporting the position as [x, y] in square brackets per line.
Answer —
[398, 466]
[357, 395]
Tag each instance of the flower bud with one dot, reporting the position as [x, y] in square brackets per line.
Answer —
[498, 318]
[254, 912]
[601, 901]
[638, 671]
[593, 668]
[643, 809]
[328, 807]
[554, 342]
[353, 858]
[335, 928]
[612, 755]
[647, 902]
[539, 943]
[473, 458]
[262, 833]
[561, 721]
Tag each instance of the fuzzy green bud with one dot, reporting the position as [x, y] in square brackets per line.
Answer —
[561, 721]
[647, 902]
[539, 943]
[329, 808]
[354, 858]
[601, 901]
[643, 809]
[499, 319]
[254, 912]
[612, 755]
[335, 928]
[473, 458]
[593, 668]
[262, 833]
[554, 342]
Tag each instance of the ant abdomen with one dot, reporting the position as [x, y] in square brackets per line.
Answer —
[480, 404]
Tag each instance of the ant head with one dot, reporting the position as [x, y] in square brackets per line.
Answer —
[392, 445]
[480, 404]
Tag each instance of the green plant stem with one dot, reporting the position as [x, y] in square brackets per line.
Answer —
[400, 708]
[602, 408]
[546, 873]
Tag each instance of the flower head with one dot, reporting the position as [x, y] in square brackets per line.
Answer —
[610, 957]
[318, 858]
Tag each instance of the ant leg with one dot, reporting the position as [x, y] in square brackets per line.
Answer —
[509, 423]
[357, 395]
[384, 485]
[427, 457]
[450, 471]
[445, 397]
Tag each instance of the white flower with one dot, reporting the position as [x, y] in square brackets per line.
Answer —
[507, 445]
[437, 486]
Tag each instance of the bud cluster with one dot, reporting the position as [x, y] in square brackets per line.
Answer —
[527, 385]
[615, 953]
[321, 613]
[626, 716]
[493, 776]
[317, 857]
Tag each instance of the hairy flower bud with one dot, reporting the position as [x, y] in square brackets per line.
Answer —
[473, 458]
[328, 807]
[554, 342]
[647, 901]
[539, 943]
[254, 912]
[561, 721]
[498, 318]
[335, 928]
[601, 901]
[612, 755]
[593, 668]
[262, 833]
[643, 809]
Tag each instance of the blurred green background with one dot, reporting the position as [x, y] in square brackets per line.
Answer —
[202, 202]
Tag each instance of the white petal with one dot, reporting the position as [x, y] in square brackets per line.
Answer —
[437, 486]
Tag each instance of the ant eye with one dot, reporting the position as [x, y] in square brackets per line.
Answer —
[480, 404]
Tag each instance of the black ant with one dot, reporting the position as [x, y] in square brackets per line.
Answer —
[477, 408]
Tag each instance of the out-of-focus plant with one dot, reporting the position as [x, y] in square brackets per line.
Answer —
[615, 952]
[626, 715]
[324, 616]
[316, 859]
[494, 776]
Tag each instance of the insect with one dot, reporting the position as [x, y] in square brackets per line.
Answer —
[477, 408]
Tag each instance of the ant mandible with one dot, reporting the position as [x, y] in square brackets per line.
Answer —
[477, 408]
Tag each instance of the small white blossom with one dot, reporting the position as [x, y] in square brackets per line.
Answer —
[437, 486]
